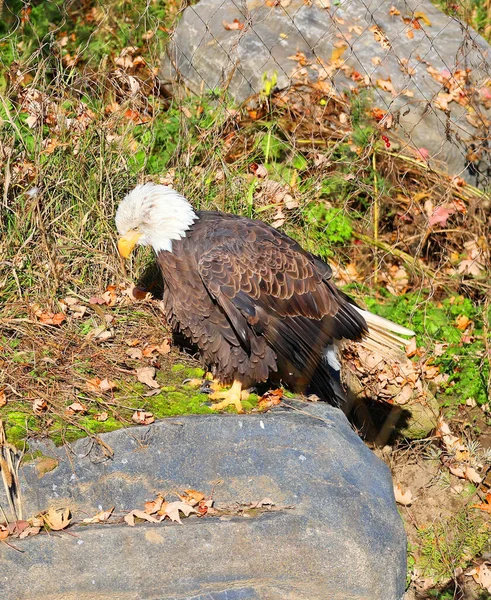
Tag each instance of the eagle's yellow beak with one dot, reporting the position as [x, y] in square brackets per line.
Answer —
[128, 242]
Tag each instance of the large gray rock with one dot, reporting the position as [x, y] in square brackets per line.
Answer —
[206, 56]
[342, 538]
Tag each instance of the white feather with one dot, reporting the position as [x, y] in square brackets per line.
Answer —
[160, 213]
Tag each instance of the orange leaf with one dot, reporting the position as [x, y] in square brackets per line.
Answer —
[3, 398]
[486, 505]
[236, 25]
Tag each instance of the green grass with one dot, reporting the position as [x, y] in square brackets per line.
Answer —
[448, 544]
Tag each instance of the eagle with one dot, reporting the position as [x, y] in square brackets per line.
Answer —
[258, 307]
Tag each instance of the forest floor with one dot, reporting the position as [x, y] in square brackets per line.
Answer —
[83, 346]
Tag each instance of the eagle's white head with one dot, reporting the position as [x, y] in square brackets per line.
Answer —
[152, 215]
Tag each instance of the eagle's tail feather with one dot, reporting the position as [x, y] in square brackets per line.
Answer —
[384, 336]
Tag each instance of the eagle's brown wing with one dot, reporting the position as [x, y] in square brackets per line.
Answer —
[275, 289]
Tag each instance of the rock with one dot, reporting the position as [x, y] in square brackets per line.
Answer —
[341, 538]
[409, 55]
[420, 418]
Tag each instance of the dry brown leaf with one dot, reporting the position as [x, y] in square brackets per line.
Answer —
[101, 417]
[270, 398]
[404, 498]
[146, 375]
[76, 407]
[100, 334]
[154, 505]
[47, 317]
[411, 348]
[134, 353]
[106, 385]
[472, 475]
[139, 514]
[4, 533]
[148, 351]
[39, 406]
[28, 531]
[172, 510]
[164, 347]
[3, 398]
[57, 518]
[386, 85]
[92, 385]
[132, 342]
[99, 517]
[393, 11]
[143, 417]
[482, 575]
[192, 497]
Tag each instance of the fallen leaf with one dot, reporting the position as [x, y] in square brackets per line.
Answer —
[92, 385]
[270, 398]
[338, 52]
[472, 475]
[107, 386]
[462, 322]
[172, 510]
[28, 531]
[4, 533]
[419, 14]
[259, 171]
[57, 518]
[143, 417]
[39, 406]
[48, 318]
[404, 498]
[393, 11]
[96, 300]
[236, 25]
[486, 505]
[482, 575]
[132, 342]
[101, 417]
[3, 398]
[75, 408]
[146, 375]
[134, 353]
[192, 497]
[411, 348]
[139, 514]
[458, 471]
[154, 505]
[164, 347]
[100, 334]
[100, 517]
[440, 215]
[386, 85]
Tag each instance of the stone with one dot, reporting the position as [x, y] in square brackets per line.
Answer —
[406, 53]
[342, 536]
[420, 418]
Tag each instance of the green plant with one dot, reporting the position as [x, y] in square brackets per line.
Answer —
[451, 543]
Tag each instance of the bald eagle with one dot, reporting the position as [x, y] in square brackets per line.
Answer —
[258, 306]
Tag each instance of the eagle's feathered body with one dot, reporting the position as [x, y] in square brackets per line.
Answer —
[256, 304]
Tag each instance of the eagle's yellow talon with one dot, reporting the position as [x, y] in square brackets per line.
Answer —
[232, 396]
